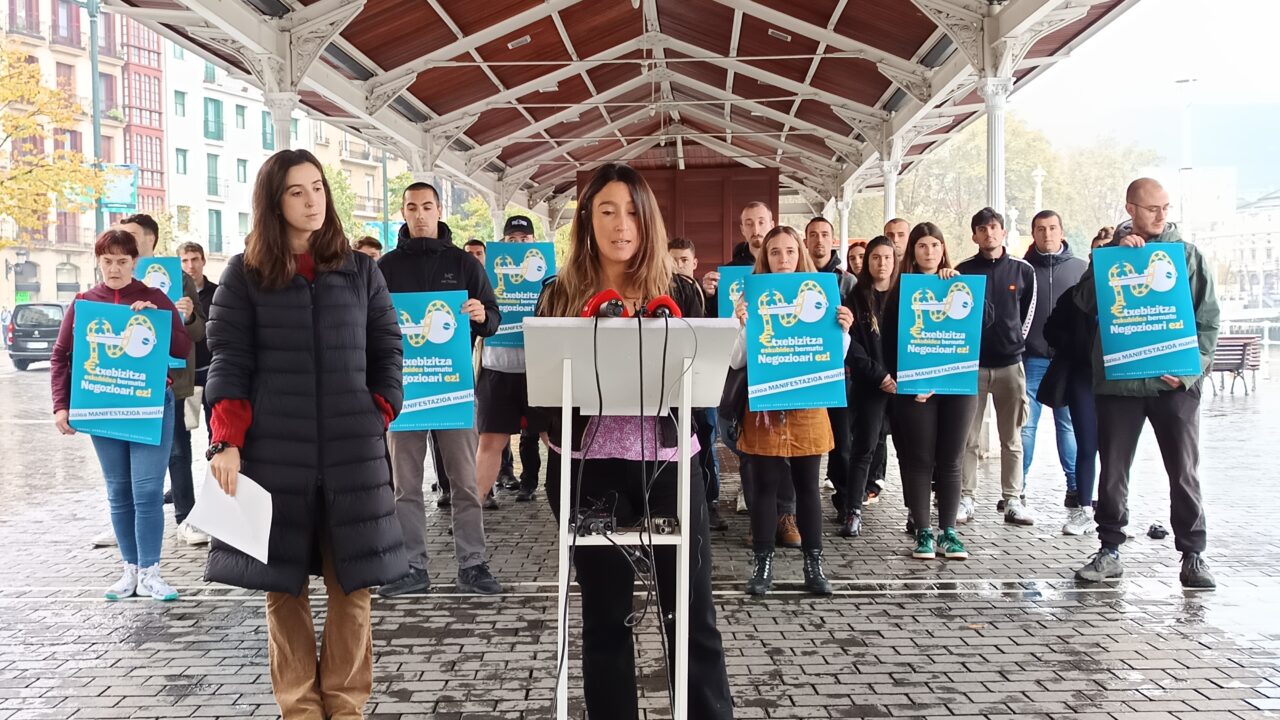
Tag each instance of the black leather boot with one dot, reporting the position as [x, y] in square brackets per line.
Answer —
[852, 525]
[761, 580]
[814, 580]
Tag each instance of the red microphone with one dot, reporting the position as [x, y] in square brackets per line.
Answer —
[662, 307]
[607, 303]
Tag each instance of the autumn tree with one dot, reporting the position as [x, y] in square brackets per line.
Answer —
[34, 117]
[344, 200]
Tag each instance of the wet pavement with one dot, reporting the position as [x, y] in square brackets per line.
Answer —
[1007, 633]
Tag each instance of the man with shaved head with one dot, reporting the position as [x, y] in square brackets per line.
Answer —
[1170, 403]
[897, 230]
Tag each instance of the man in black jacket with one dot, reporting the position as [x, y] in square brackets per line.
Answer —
[192, 256]
[1009, 311]
[425, 260]
[1057, 270]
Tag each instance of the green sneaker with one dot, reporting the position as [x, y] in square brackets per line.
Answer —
[924, 545]
[950, 546]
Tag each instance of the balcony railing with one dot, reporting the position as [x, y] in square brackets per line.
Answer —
[26, 26]
[371, 205]
[67, 38]
[360, 151]
[70, 236]
[217, 188]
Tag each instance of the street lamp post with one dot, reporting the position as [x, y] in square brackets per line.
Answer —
[1037, 176]
[94, 9]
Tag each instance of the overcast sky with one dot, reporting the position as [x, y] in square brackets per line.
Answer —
[1123, 83]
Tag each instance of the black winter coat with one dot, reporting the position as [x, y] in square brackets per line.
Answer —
[1009, 310]
[309, 357]
[1055, 274]
[436, 264]
[865, 363]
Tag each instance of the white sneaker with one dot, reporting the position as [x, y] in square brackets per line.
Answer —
[106, 539]
[150, 583]
[126, 585]
[965, 513]
[192, 535]
[742, 503]
[827, 484]
[1079, 522]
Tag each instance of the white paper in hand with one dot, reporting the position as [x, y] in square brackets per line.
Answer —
[243, 521]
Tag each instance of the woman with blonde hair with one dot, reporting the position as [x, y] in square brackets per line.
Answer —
[627, 464]
[785, 445]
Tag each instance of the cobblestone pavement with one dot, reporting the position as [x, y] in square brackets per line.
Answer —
[1007, 633]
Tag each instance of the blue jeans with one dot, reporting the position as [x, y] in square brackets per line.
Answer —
[1084, 419]
[135, 490]
[1036, 367]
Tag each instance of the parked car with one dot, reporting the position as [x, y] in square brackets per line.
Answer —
[32, 331]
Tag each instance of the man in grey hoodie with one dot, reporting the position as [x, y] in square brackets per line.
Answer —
[1057, 271]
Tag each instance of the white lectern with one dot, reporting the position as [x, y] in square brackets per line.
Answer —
[562, 365]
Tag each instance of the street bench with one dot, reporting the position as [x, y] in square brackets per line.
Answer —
[1236, 355]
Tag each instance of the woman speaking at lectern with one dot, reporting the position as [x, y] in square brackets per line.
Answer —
[619, 245]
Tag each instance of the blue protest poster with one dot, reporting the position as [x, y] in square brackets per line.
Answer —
[439, 383]
[733, 279]
[939, 334]
[516, 271]
[164, 274]
[118, 371]
[795, 346]
[1145, 316]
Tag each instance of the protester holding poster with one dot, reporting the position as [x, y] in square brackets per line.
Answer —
[929, 429]
[304, 379]
[167, 274]
[133, 469]
[517, 268]
[871, 383]
[793, 342]
[1140, 296]
[439, 388]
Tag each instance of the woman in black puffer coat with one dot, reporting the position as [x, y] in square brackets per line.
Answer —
[305, 377]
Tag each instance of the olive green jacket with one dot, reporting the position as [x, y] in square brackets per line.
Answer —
[184, 379]
[1203, 299]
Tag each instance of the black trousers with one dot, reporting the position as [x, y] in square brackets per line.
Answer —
[1175, 419]
[802, 473]
[180, 481]
[868, 440]
[530, 460]
[839, 458]
[930, 437]
[606, 580]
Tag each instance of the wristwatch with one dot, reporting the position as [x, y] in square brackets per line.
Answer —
[216, 448]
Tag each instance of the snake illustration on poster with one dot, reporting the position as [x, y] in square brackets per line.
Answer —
[517, 271]
[940, 334]
[439, 383]
[795, 346]
[119, 371]
[1146, 320]
[733, 279]
[163, 274]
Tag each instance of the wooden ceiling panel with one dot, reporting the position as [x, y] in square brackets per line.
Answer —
[1058, 40]
[570, 90]
[471, 16]
[495, 124]
[852, 78]
[445, 89]
[544, 45]
[819, 114]
[814, 12]
[894, 26]
[322, 105]
[701, 71]
[394, 32]
[755, 41]
[750, 89]
[704, 23]
[594, 27]
[512, 153]
[613, 74]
